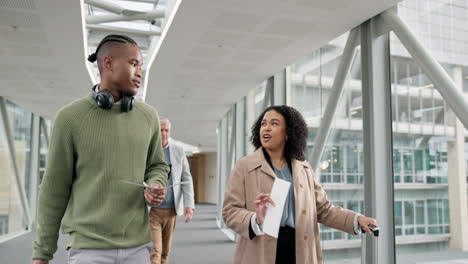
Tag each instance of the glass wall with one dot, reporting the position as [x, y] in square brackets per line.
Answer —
[21, 123]
[43, 145]
[7, 183]
[12, 218]
[423, 128]
[227, 139]
[11, 213]
[424, 133]
[234, 132]
[341, 167]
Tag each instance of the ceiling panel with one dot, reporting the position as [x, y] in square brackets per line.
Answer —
[26, 50]
[335, 5]
[237, 22]
[288, 27]
[213, 53]
[232, 47]
[268, 44]
[19, 18]
[43, 65]
[18, 4]
[24, 36]
[223, 38]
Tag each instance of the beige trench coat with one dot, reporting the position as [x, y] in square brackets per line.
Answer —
[253, 175]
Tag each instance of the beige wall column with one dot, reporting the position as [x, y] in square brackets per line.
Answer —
[458, 199]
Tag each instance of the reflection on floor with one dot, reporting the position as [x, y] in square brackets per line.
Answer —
[199, 241]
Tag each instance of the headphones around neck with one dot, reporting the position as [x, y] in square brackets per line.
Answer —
[105, 100]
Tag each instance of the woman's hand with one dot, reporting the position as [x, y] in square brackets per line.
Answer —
[261, 205]
[365, 221]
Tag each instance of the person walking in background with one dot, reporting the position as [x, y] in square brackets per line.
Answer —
[179, 199]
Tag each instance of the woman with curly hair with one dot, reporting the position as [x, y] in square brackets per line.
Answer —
[280, 137]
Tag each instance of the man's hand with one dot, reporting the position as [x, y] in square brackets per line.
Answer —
[261, 205]
[365, 221]
[188, 214]
[40, 261]
[155, 197]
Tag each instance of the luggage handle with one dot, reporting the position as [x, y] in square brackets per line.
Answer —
[373, 228]
[375, 231]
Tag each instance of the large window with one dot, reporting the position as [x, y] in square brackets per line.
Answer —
[341, 167]
[20, 125]
[424, 131]
[424, 127]
[343, 164]
[12, 218]
[421, 217]
[333, 234]
[412, 165]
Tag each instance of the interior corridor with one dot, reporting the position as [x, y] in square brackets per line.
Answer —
[199, 241]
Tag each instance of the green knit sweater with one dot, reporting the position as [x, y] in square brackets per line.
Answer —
[91, 151]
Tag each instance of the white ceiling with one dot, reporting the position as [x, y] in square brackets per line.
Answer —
[212, 54]
[42, 64]
[216, 51]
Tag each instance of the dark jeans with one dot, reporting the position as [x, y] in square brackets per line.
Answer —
[286, 248]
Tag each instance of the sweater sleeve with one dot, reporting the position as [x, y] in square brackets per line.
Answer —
[156, 167]
[55, 188]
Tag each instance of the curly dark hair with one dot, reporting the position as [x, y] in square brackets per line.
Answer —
[296, 129]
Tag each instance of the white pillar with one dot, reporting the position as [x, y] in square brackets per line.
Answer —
[377, 132]
[279, 88]
[240, 129]
[458, 199]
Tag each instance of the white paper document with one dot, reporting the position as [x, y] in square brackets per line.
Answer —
[154, 188]
[278, 194]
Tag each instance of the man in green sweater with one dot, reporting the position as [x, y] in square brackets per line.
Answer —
[98, 145]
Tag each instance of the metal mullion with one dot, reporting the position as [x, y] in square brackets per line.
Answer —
[268, 95]
[377, 127]
[336, 92]
[442, 81]
[11, 146]
[45, 132]
[397, 109]
[34, 165]
[420, 102]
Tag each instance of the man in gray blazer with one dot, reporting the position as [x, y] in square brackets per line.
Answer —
[179, 199]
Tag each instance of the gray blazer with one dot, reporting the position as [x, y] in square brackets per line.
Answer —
[183, 194]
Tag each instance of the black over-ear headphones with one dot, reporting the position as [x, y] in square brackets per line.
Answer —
[105, 100]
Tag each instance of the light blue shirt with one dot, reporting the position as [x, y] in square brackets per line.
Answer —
[288, 212]
[169, 201]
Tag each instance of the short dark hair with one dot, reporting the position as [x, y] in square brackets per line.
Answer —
[296, 130]
[108, 39]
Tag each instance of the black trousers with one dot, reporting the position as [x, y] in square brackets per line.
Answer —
[286, 248]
